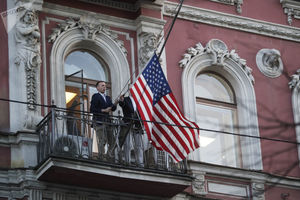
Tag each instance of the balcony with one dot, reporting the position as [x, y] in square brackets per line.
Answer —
[68, 154]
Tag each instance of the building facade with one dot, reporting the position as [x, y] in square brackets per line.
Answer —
[233, 66]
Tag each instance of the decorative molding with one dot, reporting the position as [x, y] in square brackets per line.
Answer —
[148, 44]
[103, 45]
[90, 27]
[258, 177]
[258, 190]
[34, 4]
[294, 85]
[228, 188]
[216, 57]
[28, 54]
[292, 9]
[238, 4]
[218, 50]
[269, 62]
[199, 183]
[234, 22]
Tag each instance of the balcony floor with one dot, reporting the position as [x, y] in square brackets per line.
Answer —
[93, 174]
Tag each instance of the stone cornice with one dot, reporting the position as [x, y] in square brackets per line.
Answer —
[105, 19]
[76, 13]
[20, 137]
[237, 173]
[234, 22]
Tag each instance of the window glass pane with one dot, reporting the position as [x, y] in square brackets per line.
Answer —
[211, 86]
[217, 148]
[92, 68]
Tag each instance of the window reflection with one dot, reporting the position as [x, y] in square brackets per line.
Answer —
[211, 86]
[216, 110]
[81, 60]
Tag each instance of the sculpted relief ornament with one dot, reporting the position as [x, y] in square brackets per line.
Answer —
[258, 190]
[269, 62]
[148, 43]
[294, 85]
[90, 27]
[238, 4]
[28, 56]
[219, 52]
[199, 184]
[292, 9]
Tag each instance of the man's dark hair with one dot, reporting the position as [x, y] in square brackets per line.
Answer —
[99, 82]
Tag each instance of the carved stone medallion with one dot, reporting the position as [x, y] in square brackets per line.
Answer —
[269, 62]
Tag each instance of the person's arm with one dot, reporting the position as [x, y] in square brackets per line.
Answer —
[93, 105]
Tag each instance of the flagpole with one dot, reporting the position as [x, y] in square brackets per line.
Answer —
[173, 22]
[162, 48]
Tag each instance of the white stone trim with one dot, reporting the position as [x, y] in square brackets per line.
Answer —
[292, 9]
[59, 10]
[233, 69]
[238, 4]
[294, 85]
[102, 45]
[234, 22]
[113, 21]
[44, 56]
[269, 62]
[244, 175]
[219, 187]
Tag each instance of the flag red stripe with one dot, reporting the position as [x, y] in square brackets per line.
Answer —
[164, 146]
[171, 128]
[194, 132]
[172, 144]
[190, 131]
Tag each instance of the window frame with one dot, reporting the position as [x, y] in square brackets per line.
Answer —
[217, 58]
[102, 46]
[224, 105]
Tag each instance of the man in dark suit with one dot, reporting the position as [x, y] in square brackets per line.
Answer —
[101, 106]
[133, 129]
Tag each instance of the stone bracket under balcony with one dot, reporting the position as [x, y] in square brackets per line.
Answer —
[111, 177]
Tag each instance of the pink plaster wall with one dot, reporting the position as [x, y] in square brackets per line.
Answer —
[272, 94]
[275, 192]
[5, 159]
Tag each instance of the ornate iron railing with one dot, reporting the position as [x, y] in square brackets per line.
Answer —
[71, 134]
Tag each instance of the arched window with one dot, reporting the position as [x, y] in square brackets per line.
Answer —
[82, 71]
[218, 93]
[87, 51]
[216, 110]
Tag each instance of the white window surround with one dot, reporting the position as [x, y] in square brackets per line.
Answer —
[292, 9]
[294, 85]
[102, 45]
[216, 57]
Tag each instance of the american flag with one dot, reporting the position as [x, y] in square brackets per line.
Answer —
[166, 127]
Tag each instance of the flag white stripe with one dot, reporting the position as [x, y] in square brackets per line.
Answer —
[180, 121]
[172, 136]
[192, 132]
[166, 142]
[139, 102]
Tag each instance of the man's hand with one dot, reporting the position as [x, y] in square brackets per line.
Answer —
[107, 110]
